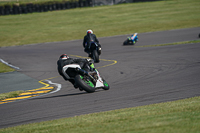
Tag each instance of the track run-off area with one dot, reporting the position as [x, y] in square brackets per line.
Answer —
[137, 75]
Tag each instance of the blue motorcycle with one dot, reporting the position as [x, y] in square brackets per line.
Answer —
[131, 40]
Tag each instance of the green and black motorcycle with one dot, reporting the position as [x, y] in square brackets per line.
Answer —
[87, 79]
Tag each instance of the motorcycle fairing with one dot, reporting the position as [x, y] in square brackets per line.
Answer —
[99, 82]
[67, 67]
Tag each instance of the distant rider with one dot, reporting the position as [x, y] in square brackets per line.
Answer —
[134, 37]
[88, 38]
[65, 60]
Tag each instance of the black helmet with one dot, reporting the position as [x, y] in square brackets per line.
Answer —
[64, 56]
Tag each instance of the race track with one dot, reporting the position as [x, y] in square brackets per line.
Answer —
[141, 76]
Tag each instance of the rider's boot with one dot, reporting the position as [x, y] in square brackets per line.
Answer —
[73, 83]
[90, 55]
[80, 89]
[75, 86]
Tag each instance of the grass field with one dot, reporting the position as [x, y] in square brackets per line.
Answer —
[181, 116]
[104, 21]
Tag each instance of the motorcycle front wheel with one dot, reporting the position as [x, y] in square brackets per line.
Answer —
[85, 84]
[106, 85]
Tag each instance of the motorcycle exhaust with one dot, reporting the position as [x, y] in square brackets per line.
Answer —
[83, 72]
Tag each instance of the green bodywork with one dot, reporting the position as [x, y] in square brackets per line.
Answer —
[87, 82]
[105, 83]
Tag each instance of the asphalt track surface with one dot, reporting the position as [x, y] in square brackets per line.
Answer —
[141, 76]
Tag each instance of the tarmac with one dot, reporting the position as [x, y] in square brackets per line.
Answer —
[13, 81]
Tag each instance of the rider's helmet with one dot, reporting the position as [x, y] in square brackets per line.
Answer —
[89, 31]
[64, 56]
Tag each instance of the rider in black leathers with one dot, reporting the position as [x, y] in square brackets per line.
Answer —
[90, 37]
[65, 60]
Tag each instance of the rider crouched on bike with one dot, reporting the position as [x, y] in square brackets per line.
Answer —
[65, 60]
[88, 38]
[136, 37]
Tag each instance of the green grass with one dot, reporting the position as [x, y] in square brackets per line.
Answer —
[176, 43]
[104, 21]
[182, 116]
[10, 94]
[4, 68]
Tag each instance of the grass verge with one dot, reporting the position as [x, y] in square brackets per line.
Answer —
[10, 94]
[182, 116]
[176, 43]
[103, 20]
[4, 68]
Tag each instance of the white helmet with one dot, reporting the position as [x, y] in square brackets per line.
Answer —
[64, 57]
[90, 31]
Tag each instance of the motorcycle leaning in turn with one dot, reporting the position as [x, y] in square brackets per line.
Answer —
[87, 78]
[131, 40]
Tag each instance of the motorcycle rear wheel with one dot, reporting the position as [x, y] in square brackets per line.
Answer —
[95, 56]
[88, 86]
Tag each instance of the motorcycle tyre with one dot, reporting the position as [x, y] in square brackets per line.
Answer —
[105, 87]
[80, 83]
[95, 56]
[125, 42]
[128, 42]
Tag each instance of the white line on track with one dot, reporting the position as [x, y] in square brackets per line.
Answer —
[49, 82]
[9, 64]
[58, 87]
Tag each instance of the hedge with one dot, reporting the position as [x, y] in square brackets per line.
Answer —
[24, 8]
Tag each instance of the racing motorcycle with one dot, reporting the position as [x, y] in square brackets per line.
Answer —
[131, 40]
[95, 51]
[87, 79]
